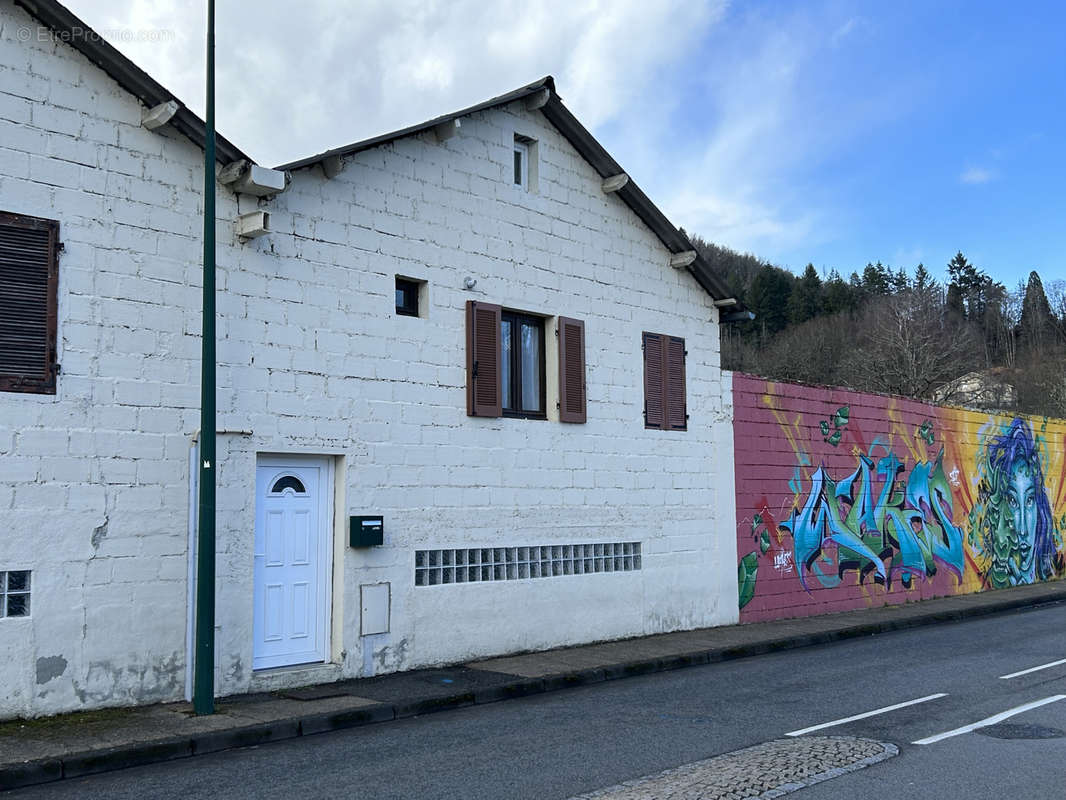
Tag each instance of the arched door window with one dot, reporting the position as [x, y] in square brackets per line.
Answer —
[288, 482]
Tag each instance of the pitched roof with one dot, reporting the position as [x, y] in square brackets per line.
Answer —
[73, 31]
[589, 149]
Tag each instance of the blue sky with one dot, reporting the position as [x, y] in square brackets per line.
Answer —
[829, 131]
[897, 131]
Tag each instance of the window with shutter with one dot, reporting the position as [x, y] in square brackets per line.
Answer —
[664, 382]
[483, 359]
[572, 397]
[28, 281]
[676, 416]
[653, 380]
[522, 365]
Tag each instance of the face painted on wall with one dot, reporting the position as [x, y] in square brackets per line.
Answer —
[1017, 531]
[1014, 539]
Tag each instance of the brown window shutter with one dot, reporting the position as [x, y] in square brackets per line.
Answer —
[654, 401]
[483, 360]
[29, 276]
[676, 412]
[572, 397]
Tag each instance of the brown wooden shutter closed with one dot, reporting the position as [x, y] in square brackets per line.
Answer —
[653, 381]
[483, 360]
[676, 412]
[572, 395]
[28, 281]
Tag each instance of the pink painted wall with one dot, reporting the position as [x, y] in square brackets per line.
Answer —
[848, 500]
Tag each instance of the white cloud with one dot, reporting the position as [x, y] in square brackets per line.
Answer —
[292, 82]
[845, 30]
[977, 175]
[717, 112]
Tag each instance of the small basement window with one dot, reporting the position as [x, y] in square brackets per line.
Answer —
[15, 593]
[408, 293]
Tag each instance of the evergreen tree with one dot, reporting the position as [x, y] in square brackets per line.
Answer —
[838, 295]
[806, 300]
[877, 279]
[923, 281]
[972, 286]
[1037, 322]
[898, 281]
[771, 289]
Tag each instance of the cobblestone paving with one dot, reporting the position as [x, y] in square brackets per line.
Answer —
[765, 771]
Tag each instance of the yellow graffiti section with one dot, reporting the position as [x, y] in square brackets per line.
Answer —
[1007, 479]
[968, 438]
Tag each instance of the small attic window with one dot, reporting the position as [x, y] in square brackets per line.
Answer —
[525, 162]
[521, 164]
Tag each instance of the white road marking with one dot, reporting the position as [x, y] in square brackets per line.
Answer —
[866, 714]
[991, 720]
[1033, 669]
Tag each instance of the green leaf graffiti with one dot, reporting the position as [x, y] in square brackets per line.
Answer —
[764, 541]
[925, 432]
[839, 420]
[749, 566]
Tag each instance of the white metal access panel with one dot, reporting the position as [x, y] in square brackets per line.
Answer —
[293, 520]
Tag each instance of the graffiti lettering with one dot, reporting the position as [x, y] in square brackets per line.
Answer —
[906, 531]
[783, 561]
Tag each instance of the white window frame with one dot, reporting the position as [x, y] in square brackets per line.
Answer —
[523, 150]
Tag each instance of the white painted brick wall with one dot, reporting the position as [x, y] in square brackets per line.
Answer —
[109, 451]
[312, 359]
[393, 388]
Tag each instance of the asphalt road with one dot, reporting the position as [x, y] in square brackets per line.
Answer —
[565, 743]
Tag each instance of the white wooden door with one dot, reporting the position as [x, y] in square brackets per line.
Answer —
[292, 555]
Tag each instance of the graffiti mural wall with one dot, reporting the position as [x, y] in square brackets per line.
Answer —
[847, 500]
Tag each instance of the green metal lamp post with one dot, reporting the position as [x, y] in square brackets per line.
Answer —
[204, 653]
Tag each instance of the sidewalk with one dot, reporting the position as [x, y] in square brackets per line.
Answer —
[53, 748]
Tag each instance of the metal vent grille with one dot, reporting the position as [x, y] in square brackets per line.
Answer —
[479, 564]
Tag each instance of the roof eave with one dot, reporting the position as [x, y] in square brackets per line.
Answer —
[73, 31]
[633, 196]
[376, 141]
[588, 147]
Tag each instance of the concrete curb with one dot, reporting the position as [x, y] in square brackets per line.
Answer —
[47, 770]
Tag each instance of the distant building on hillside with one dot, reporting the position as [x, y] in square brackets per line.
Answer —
[990, 388]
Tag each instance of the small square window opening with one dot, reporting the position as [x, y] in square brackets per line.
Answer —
[15, 593]
[407, 292]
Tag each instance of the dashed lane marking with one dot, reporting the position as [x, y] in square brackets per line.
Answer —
[866, 714]
[1032, 669]
[991, 720]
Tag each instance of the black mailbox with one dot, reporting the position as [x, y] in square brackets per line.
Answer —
[366, 531]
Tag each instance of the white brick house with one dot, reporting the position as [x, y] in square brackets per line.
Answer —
[346, 381]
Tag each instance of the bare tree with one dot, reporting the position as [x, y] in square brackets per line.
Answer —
[909, 346]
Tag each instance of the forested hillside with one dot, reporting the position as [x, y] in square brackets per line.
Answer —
[899, 332]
